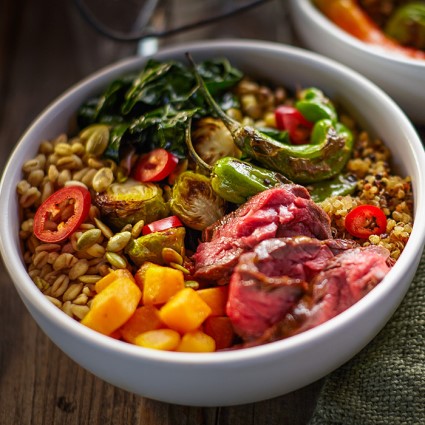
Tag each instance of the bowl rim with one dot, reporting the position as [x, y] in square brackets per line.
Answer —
[330, 28]
[28, 290]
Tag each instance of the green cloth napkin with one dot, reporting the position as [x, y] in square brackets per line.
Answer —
[385, 383]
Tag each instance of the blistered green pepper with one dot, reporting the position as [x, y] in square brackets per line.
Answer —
[407, 25]
[299, 163]
[235, 180]
[340, 185]
[149, 247]
[314, 105]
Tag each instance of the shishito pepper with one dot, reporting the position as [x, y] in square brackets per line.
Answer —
[235, 180]
[301, 163]
[314, 105]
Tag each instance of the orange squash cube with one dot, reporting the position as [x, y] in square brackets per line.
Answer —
[185, 311]
[221, 330]
[101, 284]
[159, 339]
[145, 318]
[196, 342]
[216, 298]
[160, 283]
[113, 306]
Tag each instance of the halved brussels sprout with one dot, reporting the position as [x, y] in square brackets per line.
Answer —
[194, 201]
[131, 201]
[212, 140]
[149, 247]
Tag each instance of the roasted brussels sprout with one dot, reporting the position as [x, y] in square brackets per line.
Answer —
[131, 201]
[194, 201]
[149, 247]
[212, 140]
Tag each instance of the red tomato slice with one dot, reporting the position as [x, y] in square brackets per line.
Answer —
[365, 220]
[163, 224]
[155, 166]
[52, 222]
[290, 119]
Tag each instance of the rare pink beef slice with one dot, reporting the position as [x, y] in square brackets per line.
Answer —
[345, 279]
[268, 281]
[283, 211]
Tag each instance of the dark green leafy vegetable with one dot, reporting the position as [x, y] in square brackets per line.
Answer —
[150, 110]
[301, 163]
[149, 247]
[194, 201]
[129, 202]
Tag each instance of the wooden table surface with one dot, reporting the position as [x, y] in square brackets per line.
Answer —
[45, 47]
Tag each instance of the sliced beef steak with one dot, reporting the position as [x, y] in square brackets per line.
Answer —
[347, 278]
[268, 281]
[283, 211]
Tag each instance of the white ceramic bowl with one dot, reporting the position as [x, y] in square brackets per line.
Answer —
[252, 374]
[402, 78]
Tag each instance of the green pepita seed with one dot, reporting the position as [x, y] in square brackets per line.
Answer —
[90, 278]
[102, 179]
[106, 231]
[118, 242]
[137, 229]
[97, 137]
[116, 260]
[191, 284]
[179, 267]
[169, 255]
[88, 239]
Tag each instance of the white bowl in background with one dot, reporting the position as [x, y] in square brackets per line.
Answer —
[402, 78]
[251, 374]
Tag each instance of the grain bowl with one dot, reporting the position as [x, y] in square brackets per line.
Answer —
[399, 76]
[230, 376]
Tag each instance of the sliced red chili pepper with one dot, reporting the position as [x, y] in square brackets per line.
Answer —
[61, 213]
[155, 166]
[163, 224]
[290, 119]
[366, 220]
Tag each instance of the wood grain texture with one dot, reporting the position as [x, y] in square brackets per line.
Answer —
[45, 47]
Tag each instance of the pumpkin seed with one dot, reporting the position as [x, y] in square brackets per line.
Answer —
[179, 267]
[118, 241]
[116, 260]
[137, 229]
[191, 284]
[102, 179]
[97, 137]
[106, 231]
[88, 239]
[170, 255]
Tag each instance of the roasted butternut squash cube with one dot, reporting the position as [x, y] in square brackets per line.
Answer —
[113, 306]
[145, 318]
[159, 339]
[185, 311]
[160, 283]
[101, 284]
[221, 330]
[216, 298]
[196, 342]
